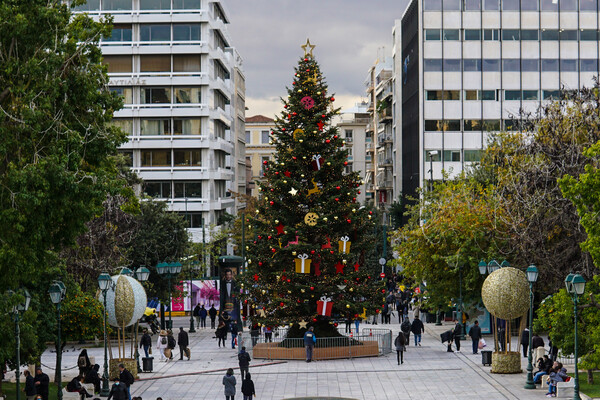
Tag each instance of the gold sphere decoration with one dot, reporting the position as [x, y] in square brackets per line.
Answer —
[347, 305]
[505, 293]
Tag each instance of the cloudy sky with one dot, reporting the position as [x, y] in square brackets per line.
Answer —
[349, 35]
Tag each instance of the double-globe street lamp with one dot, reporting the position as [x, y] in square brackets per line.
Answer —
[170, 270]
[575, 284]
[57, 292]
[17, 309]
[105, 283]
[532, 275]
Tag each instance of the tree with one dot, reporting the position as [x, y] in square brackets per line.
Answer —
[308, 205]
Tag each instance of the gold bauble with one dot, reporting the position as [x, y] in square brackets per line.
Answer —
[505, 293]
[347, 305]
[293, 253]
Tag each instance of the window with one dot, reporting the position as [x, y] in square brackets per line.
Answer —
[188, 95]
[490, 125]
[588, 5]
[472, 34]
[157, 189]
[155, 33]
[531, 95]
[220, 99]
[125, 124]
[445, 125]
[480, 95]
[491, 65]
[248, 137]
[511, 34]
[186, 32]
[472, 155]
[186, 5]
[568, 5]
[219, 40]
[434, 95]
[452, 155]
[451, 5]
[568, 34]
[589, 65]
[155, 63]
[126, 93]
[511, 65]
[155, 4]
[220, 70]
[187, 158]
[530, 34]
[432, 65]
[437, 156]
[432, 34]
[186, 126]
[120, 33]
[349, 134]
[188, 189]
[510, 5]
[472, 125]
[512, 95]
[568, 65]
[445, 95]
[549, 34]
[90, 5]
[432, 5]
[588, 34]
[551, 94]
[220, 190]
[156, 158]
[471, 65]
[491, 34]
[470, 95]
[549, 5]
[186, 63]
[115, 5]
[118, 63]
[549, 65]
[264, 137]
[155, 95]
[491, 5]
[451, 34]
[530, 65]
[451, 65]
[472, 5]
[511, 125]
[529, 5]
[151, 127]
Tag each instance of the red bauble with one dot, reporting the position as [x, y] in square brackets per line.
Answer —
[336, 199]
[338, 188]
[276, 172]
[323, 115]
[332, 99]
[335, 136]
[314, 320]
[294, 158]
[281, 304]
[370, 212]
[260, 237]
[260, 263]
[335, 324]
[289, 280]
[345, 162]
[382, 290]
[285, 106]
[265, 162]
[312, 252]
[294, 113]
[354, 199]
[377, 310]
[293, 83]
[359, 192]
[312, 288]
[298, 301]
[283, 129]
[331, 251]
[306, 59]
[271, 202]
[307, 69]
[273, 250]
[355, 315]
[272, 190]
[327, 141]
[270, 237]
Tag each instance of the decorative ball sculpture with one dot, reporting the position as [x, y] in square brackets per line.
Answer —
[125, 303]
[505, 293]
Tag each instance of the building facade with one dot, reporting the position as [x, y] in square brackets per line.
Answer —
[258, 148]
[183, 89]
[468, 66]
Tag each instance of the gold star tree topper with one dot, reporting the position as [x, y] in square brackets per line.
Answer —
[308, 48]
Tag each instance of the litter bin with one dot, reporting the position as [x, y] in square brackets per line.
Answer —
[486, 357]
[147, 364]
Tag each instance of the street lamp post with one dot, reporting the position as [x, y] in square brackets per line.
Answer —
[532, 275]
[141, 274]
[575, 284]
[16, 311]
[105, 282]
[57, 293]
[194, 265]
[169, 269]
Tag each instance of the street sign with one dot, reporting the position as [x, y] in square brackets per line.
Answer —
[382, 261]
[382, 275]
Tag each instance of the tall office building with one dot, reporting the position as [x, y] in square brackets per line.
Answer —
[468, 66]
[183, 88]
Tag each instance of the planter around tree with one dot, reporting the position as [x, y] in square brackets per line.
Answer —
[506, 363]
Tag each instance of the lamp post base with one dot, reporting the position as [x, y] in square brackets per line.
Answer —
[438, 318]
[104, 392]
[192, 330]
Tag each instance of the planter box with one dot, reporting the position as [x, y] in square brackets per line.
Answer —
[273, 351]
[506, 363]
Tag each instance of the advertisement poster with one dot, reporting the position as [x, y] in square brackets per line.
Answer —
[205, 293]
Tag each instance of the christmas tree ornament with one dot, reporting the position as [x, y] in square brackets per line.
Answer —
[308, 48]
[293, 253]
[287, 174]
[293, 242]
[297, 132]
[303, 264]
[344, 245]
[307, 101]
[280, 228]
[315, 188]
[327, 245]
[311, 219]
[324, 306]
[325, 219]
[339, 268]
[317, 162]
[347, 305]
[356, 268]
[302, 324]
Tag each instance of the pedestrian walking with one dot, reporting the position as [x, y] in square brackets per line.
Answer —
[118, 391]
[126, 378]
[400, 344]
[268, 330]
[405, 328]
[525, 341]
[183, 341]
[196, 314]
[171, 343]
[248, 388]
[212, 313]
[356, 324]
[244, 361]
[229, 383]
[162, 344]
[348, 323]
[42, 383]
[475, 333]
[254, 334]
[309, 343]
[417, 329]
[234, 333]
[29, 390]
[203, 313]
[457, 333]
[146, 342]
[221, 333]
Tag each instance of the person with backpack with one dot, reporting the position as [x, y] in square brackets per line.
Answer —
[400, 344]
[405, 328]
[248, 388]
[171, 342]
[309, 343]
[457, 333]
[83, 362]
[162, 344]
[126, 378]
[244, 360]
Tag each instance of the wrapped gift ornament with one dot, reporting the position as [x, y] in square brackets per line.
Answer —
[303, 264]
[324, 306]
[344, 244]
[125, 302]
[317, 162]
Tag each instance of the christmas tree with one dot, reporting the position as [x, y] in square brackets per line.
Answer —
[306, 262]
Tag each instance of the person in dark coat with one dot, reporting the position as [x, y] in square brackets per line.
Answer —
[203, 313]
[400, 344]
[183, 341]
[126, 378]
[171, 342]
[417, 329]
[93, 377]
[405, 328]
[254, 334]
[536, 342]
[475, 333]
[212, 313]
[30, 391]
[234, 333]
[41, 382]
[146, 342]
[196, 314]
[83, 362]
[248, 388]
[309, 343]
[244, 360]
[457, 334]
[75, 386]
[525, 341]
[229, 383]
[221, 333]
[118, 391]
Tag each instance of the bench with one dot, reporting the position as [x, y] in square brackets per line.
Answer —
[565, 389]
[76, 396]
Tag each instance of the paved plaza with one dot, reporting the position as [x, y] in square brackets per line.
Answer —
[428, 372]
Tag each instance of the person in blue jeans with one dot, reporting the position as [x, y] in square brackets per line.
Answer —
[309, 343]
[475, 333]
[357, 324]
[417, 329]
[234, 333]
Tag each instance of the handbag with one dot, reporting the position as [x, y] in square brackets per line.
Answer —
[482, 343]
[149, 350]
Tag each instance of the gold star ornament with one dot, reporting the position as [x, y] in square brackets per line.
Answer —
[308, 48]
[302, 324]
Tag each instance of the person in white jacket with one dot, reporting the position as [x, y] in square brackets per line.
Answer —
[162, 344]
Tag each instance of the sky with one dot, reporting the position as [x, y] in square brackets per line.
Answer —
[349, 36]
